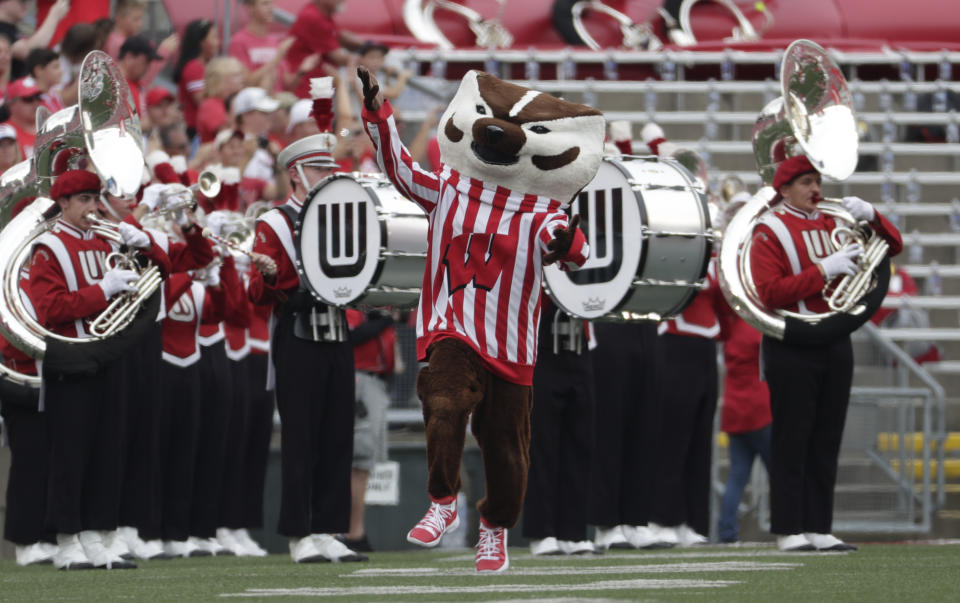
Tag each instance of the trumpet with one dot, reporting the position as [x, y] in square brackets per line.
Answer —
[260, 259]
[179, 197]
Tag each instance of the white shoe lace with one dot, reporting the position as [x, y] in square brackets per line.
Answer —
[489, 546]
[436, 518]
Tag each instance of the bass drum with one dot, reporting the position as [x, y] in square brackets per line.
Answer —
[359, 242]
[648, 225]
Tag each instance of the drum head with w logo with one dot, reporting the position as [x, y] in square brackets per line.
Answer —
[338, 240]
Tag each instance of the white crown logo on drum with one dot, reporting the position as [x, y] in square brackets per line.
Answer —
[340, 292]
[594, 304]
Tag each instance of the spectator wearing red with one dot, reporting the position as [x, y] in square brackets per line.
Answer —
[136, 55]
[222, 80]
[9, 149]
[201, 42]
[261, 50]
[44, 67]
[23, 98]
[80, 11]
[13, 14]
[316, 33]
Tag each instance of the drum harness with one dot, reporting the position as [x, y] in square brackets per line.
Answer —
[312, 320]
[567, 333]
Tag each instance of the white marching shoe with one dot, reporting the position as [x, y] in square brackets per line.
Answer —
[226, 539]
[334, 550]
[70, 554]
[794, 542]
[179, 548]
[545, 546]
[208, 547]
[252, 548]
[98, 554]
[665, 534]
[610, 538]
[36, 553]
[828, 542]
[643, 537]
[687, 536]
[116, 545]
[304, 550]
[576, 547]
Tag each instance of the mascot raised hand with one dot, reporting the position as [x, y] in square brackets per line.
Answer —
[512, 159]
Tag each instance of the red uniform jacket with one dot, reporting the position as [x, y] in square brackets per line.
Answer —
[699, 319]
[787, 246]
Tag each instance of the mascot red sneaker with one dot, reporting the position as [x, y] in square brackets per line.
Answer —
[512, 159]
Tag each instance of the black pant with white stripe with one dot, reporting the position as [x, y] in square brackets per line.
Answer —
[809, 395]
[687, 367]
[561, 442]
[315, 397]
[625, 383]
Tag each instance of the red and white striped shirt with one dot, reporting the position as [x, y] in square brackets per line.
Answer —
[788, 243]
[481, 284]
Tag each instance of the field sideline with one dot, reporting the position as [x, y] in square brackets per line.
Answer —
[878, 572]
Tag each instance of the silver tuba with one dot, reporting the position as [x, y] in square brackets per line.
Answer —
[814, 116]
[418, 17]
[743, 32]
[102, 129]
[635, 36]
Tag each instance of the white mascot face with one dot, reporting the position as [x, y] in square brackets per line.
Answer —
[521, 139]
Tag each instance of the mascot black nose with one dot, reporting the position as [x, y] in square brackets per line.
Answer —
[493, 133]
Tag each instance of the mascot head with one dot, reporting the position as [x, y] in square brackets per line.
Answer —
[521, 139]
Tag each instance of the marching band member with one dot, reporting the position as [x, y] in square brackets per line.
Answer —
[309, 339]
[561, 437]
[686, 362]
[203, 302]
[792, 259]
[25, 429]
[244, 444]
[140, 509]
[70, 284]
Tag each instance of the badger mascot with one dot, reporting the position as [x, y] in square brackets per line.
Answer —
[513, 158]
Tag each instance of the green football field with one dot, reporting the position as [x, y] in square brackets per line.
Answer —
[878, 572]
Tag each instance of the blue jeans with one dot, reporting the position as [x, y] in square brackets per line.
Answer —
[743, 448]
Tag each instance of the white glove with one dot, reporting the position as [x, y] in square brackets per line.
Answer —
[843, 261]
[858, 208]
[215, 222]
[620, 130]
[118, 280]
[650, 132]
[151, 196]
[181, 218]
[242, 263]
[212, 278]
[133, 236]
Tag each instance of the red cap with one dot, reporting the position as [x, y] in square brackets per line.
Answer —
[165, 173]
[22, 88]
[157, 95]
[790, 169]
[73, 182]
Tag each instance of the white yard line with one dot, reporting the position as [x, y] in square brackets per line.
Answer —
[359, 591]
[686, 553]
[662, 568]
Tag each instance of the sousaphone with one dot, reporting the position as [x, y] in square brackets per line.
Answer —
[813, 116]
